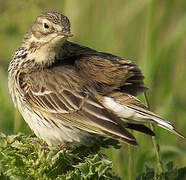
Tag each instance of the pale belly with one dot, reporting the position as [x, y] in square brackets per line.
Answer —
[53, 133]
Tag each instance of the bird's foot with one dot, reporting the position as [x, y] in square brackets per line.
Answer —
[63, 146]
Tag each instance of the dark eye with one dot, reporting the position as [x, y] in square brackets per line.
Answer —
[46, 26]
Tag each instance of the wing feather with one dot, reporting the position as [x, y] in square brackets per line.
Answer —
[110, 73]
[106, 72]
[66, 101]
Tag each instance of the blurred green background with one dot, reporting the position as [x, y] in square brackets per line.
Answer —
[150, 32]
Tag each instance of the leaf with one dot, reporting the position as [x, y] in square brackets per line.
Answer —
[27, 156]
[171, 173]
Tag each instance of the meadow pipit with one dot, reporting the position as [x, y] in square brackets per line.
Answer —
[70, 93]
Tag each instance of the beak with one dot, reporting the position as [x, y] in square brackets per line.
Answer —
[66, 34]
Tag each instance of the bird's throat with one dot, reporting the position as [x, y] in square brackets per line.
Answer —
[45, 54]
[44, 50]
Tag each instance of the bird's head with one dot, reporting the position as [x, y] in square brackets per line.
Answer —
[47, 34]
[50, 27]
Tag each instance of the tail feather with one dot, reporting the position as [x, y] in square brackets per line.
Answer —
[166, 125]
[153, 118]
[132, 111]
[141, 128]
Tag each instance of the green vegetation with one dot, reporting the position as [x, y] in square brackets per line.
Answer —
[26, 157]
[150, 32]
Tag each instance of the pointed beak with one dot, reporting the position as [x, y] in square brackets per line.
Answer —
[65, 34]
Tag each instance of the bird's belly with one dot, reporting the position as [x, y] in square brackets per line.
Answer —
[54, 133]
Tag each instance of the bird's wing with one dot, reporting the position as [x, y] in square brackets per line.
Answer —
[132, 111]
[105, 71]
[58, 94]
[109, 73]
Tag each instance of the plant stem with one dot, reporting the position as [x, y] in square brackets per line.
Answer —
[155, 141]
[130, 164]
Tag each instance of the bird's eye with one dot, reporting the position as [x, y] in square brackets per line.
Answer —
[46, 26]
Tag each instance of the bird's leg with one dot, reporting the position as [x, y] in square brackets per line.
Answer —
[64, 145]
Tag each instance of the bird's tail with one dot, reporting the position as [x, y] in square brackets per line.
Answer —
[130, 110]
[166, 125]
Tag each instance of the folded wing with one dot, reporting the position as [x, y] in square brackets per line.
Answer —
[104, 71]
[58, 95]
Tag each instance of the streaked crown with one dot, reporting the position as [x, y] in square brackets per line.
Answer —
[54, 18]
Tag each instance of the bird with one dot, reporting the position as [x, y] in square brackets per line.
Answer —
[69, 93]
